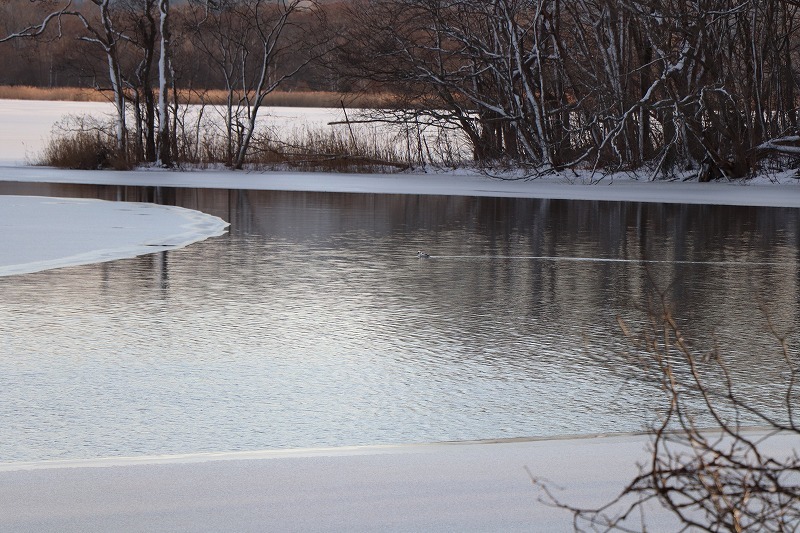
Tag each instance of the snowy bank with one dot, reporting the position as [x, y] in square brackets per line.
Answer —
[757, 193]
[438, 487]
[42, 233]
[25, 127]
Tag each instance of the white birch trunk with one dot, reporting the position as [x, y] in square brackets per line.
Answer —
[119, 103]
[163, 87]
[115, 77]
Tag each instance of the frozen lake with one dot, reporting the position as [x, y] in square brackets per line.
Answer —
[313, 323]
[26, 125]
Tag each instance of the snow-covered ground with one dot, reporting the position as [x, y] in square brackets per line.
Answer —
[439, 487]
[25, 125]
[782, 191]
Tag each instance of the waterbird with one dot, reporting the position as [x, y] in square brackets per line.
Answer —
[422, 255]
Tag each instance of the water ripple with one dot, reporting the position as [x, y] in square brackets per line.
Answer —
[314, 324]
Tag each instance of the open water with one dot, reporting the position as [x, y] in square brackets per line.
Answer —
[313, 322]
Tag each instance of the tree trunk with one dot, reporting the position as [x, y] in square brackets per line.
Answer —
[164, 155]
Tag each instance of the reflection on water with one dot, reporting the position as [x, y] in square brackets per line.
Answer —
[313, 323]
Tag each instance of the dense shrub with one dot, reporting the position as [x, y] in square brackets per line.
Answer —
[82, 143]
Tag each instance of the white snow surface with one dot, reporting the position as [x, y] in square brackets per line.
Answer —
[25, 125]
[39, 233]
[460, 487]
[781, 190]
[441, 487]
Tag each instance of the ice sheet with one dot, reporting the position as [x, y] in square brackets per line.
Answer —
[760, 193]
[38, 233]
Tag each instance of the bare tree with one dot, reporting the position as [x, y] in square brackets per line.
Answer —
[707, 87]
[99, 29]
[138, 18]
[222, 35]
[164, 77]
[701, 84]
[255, 46]
[271, 25]
[102, 23]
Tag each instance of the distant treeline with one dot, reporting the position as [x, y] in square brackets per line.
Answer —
[660, 86]
[72, 62]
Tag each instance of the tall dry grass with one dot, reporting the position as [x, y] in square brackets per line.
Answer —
[209, 97]
[86, 142]
[67, 94]
[295, 99]
[318, 149]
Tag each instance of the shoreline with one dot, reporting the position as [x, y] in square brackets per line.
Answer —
[447, 487]
[288, 453]
[757, 193]
[278, 98]
[642, 437]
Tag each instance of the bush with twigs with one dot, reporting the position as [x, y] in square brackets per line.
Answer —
[706, 467]
[88, 143]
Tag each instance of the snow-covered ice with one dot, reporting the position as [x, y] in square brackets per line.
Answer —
[439, 487]
[25, 125]
[760, 192]
[39, 233]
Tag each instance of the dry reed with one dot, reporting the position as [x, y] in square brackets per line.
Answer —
[209, 97]
[294, 99]
[67, 94]
[315, 149]
[84, 142]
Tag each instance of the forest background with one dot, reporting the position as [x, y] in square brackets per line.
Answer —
[663, 88]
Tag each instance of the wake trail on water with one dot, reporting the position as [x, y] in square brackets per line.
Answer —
[610, 260]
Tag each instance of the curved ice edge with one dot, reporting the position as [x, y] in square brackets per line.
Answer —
[340, 451]
[198, 227]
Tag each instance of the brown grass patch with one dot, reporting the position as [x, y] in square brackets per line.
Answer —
[295, 99]
[67, 94]
[87, 142]
[83, 151]
[210, 97]
[317, 149]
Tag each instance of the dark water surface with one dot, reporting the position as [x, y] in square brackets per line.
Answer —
[313, 323]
